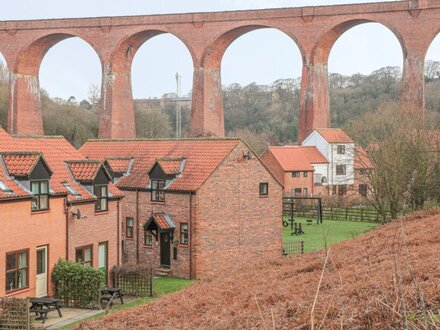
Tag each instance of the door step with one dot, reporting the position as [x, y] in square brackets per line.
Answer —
[163, 272]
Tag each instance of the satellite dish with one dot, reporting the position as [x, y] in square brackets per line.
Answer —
[78, 214]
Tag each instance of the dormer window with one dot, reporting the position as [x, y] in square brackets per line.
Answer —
[101, 193]
[40, 192]
[157, 190]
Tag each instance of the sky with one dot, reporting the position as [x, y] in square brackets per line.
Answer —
[263, 56]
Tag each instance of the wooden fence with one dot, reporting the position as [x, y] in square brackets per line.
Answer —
[14, 313]
[293, 248]
[352, 214]
[137, 283]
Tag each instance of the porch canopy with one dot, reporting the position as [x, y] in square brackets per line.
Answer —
[160, 222]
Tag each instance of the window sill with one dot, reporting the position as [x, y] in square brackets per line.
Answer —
[40, 211]
[102, 212]
[264, 196]
[147, 246]
[183, 245]
[129, 238]
[158, 202]
[17, 291]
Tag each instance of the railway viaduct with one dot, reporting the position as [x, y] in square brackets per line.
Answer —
[415, 23]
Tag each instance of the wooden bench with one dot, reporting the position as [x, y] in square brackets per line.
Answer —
[110, 294]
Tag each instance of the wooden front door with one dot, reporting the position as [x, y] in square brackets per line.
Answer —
[165, 249]
[41, 281]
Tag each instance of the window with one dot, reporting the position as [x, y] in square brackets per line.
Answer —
[184, 233]
[148, 237]
[342, 190]
[334, 190]
[340, 169]
[324, 180]
[101, 193]
[363, 189]
[296, 174]
[129, 228]
[40, 191]
[297, 191]
[264, 189]
[84, 255]
[305, 174]
[340, 149]
[305, 191]
[157, 190]
[17, 270]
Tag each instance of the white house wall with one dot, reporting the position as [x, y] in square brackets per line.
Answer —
[316, 140]
[346, 159]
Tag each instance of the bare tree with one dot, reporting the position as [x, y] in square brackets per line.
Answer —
[404, 152]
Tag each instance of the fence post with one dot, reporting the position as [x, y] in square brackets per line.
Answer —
[151, 281]
[362, 214]
[346, 214]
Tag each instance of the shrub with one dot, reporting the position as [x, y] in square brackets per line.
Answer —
[77, 285]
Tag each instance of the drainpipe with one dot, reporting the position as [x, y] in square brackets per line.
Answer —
[137, 226]
[190, 235]
[118, 224]
[66, 208]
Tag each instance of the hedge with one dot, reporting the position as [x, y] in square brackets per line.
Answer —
[77, 285]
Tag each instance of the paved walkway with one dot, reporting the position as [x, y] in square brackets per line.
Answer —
[70, 315]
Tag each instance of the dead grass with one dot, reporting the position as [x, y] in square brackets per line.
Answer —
[388, 278]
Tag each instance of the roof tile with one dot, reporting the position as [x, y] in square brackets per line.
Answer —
[334, 135]
[20, 164]
[297, 158]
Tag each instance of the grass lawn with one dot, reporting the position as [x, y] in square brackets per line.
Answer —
[332, 231]
[161, 287]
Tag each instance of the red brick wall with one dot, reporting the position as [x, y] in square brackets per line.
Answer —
[178, 208]
[21, 229]
[94, 228]
[302, 182]
[234, 224]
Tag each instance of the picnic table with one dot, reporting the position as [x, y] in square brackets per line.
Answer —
[43, 306]
[110, 294]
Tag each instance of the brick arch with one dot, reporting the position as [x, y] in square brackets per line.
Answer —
[31, 55]
[126, 48]
[207, 114]
[24, 113]
[430, 42]
[117, 119]
[213, 53]
[321, 51]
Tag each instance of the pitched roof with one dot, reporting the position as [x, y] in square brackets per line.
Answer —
[334, 135]
[170, 166]
[202, 156]
[361, 160]
[56, 150]
[119, 165]
[9, 189]
[163, 221]
[297, 158]
[20, 164]
[84, 170]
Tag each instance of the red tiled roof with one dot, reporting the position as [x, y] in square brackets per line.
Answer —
[20, 164]
[334, 135]
[170, 166]
[163, 221]
[84, 170]
[55, 150]
[361, 160]
[119, 165]
[297, 158]
[202, 158]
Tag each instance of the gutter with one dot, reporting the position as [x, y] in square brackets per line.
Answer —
[118, 224]
[67, 227]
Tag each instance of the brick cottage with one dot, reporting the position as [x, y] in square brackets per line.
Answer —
[53, 204]
[193, 206]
